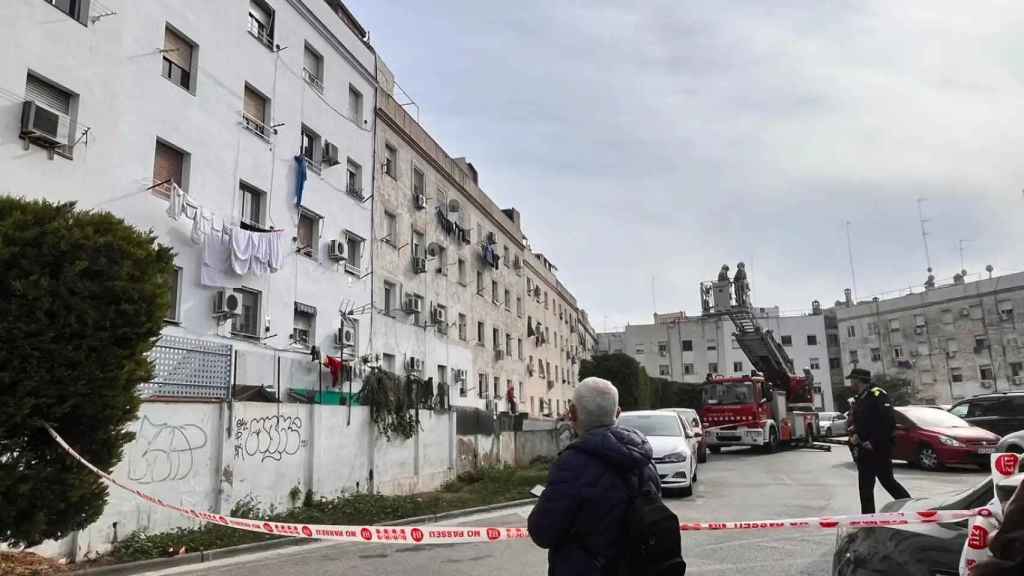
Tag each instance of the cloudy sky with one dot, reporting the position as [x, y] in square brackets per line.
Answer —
[666, 138]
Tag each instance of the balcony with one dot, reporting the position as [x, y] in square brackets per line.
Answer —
[257, 127]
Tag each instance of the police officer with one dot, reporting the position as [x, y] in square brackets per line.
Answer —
[872, 439]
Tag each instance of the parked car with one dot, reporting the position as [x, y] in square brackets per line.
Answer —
[676, 463]
[1012, 443]
[831, 424]
[932, 438]
[914, 549]
[1002, 412]
[690, 415]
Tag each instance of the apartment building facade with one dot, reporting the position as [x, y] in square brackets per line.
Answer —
[554, 345]
[951, 341]
[242, 120]
[448, 267]
[686, 349]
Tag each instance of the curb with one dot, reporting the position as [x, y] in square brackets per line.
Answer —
[142, 566]
[834, 441]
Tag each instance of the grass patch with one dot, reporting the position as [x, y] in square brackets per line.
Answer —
[476, 488]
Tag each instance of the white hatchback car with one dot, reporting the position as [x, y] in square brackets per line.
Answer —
[673, 457]
[831, 424]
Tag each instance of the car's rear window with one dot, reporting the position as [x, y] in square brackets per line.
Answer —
[652, 424]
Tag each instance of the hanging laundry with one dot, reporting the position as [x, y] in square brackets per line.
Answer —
[335, 365]
[300, 178]
[176, 202]
[202, 222]
[276, 253]
[216, 267]
[242, 248]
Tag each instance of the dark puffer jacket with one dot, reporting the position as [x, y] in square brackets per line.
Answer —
[580, 516]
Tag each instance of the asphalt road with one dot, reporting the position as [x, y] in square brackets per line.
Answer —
[738, 485]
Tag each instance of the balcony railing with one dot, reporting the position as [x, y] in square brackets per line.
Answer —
[256, 126]
[313, 79]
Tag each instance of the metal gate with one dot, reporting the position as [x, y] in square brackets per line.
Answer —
[189, 368]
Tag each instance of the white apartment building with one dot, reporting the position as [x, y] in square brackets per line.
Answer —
[686, 349]
[554, 343]
[114, 104]
[952, 341]
[448, 267]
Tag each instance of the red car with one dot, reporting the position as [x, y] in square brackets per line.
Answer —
[932, 438]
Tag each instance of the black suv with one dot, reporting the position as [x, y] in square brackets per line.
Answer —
[1001, 413]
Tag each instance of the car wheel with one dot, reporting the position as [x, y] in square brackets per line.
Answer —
[702, 455]
[687, 492]
[928, 458]
[773, 440]
[828, 432]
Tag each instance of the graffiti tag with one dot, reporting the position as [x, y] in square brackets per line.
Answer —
[167, 451]
[269, 438]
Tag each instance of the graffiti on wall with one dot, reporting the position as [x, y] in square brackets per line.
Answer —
[268, 437]
[164, 452]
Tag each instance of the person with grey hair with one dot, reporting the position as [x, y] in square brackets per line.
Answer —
[581, 517]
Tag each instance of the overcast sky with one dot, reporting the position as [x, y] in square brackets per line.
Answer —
[667, 138]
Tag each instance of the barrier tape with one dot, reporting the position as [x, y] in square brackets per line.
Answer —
[457, 534]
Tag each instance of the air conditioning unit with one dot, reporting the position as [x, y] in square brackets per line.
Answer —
[226, 303]
[421, 201]
[43, 126]
[438, 315]
[965, 312]
[413, 304]
[345, 337]
[336, 250]
[1018, 380]
[330, 154]
[419, 265]
[414, 364]
[986, 384]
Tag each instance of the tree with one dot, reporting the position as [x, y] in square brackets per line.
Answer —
[82, 299]
[625, 373]
[670, 394]
[900, 390]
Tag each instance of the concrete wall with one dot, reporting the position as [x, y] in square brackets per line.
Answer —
[210, 456]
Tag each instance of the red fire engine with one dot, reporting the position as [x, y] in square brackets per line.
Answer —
[772, 406]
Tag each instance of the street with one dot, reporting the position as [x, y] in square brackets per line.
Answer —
[736, 485]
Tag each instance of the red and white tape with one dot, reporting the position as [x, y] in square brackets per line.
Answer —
[457, 534]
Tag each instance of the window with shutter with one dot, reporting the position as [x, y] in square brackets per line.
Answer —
[254, 111]
[177, 59]
[168, 165]
[261, 22]
[42, 92]
[313, 68]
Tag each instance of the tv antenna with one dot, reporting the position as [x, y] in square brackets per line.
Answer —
[849, 252]
[924, 233]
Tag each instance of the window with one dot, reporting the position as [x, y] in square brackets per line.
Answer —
[815, 363]
[308, 232]
[462, 327]
[462, 271]
[508, 345]
[980, 344]
[253, 209]
[688, 369]
[663, 370]
[508, 300]
[854, 359]
[304, 325]
[496, 338]
[663, 349]
[812, 339]
[1005, 310]
[442, 260]
[261, 22]
[169, 165]
[639, 350]
[313, 68]
[787, 340]
[505, 256]
[481, 385]
[985, 371]
[687, 345]
[174, 287]
[519, 396]
[947, 316]
[480, 334]
[497, 387]
[494, 291]
[834, 364]
[920, 320]
[389, 297]
[254, 112]
[177, 59]
[952, 346]
[519, 348]
[391, 228]
[713, 367]
[956, 374]
[872, 328]
[894, 325]
[311, 148]
[532, 398]
[851, 331]
[72, 8]
[519, 306]
[737, 367]
[355, 105]
[418, 242]
[976, 312]
[247, 321]
[354, 179]
[391, 161]
[897, 353]
[1016, 369]
[388, 361]
[832, 340]
[354, 252]
[479, 282]
[712, 345]
[876, 354]
[419, 181]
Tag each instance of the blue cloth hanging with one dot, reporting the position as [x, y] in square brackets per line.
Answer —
[300, 178]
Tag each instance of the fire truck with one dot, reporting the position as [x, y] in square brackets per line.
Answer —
[770, 407]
